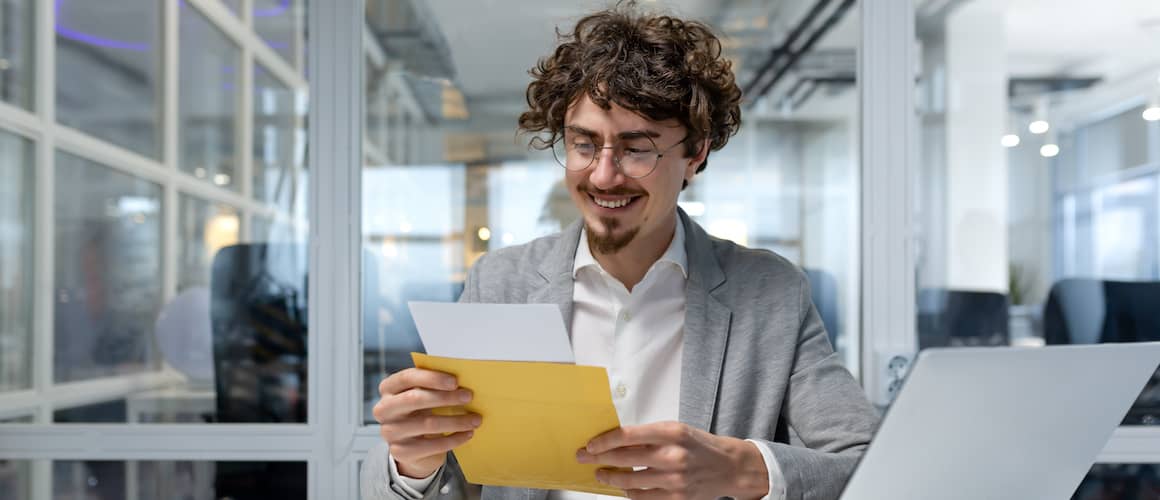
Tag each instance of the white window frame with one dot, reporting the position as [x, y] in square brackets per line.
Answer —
[334, 440]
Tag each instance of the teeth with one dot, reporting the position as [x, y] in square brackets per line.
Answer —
[612, 204]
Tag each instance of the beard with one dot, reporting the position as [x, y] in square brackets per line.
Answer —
[609, 242]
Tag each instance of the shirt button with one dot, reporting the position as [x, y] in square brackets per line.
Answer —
[621, 390]
[445, 489]
[624, 316]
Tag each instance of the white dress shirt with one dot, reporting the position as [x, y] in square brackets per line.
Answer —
[637, 336]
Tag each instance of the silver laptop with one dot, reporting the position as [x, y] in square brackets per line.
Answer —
[999, 423]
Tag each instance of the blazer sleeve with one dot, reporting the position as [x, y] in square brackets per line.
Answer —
[826, 409]
[375, 481]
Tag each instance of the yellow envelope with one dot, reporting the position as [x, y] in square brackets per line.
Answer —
[535, 417]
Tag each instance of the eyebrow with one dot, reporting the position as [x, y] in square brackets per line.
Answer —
[627, 134]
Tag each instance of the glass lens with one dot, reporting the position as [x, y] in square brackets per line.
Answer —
[638, 156]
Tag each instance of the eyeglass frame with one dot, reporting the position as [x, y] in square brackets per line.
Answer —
[615, 159]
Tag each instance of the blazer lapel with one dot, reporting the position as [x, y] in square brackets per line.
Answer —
[707, 323]
[554, 275]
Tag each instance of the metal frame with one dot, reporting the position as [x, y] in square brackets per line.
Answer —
[886, 62]
[334, 440]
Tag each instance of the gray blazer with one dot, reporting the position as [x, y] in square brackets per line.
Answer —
[756, 362]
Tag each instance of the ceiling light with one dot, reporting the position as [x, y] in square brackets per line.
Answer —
[484, 233]
[221, 179]
[1049, 150]
[1009, 141]
[1152, 112]
[1040, 125]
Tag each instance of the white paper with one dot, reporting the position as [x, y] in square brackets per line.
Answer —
[493, 332]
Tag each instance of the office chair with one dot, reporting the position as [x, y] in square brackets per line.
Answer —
[824, 294]
[1089, 311]
[258, 317]
[961, 318]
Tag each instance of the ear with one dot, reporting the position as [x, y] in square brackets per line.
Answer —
[696, 160]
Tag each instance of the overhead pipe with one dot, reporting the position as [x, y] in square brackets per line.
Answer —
[796, 55]
[777, 52]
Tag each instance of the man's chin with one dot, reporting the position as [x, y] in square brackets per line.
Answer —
[609, 242]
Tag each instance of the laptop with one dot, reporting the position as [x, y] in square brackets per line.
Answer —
[1001, 423]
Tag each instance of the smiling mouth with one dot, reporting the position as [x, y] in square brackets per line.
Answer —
[612, 204]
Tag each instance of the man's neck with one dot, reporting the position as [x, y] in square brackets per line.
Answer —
[630, 264]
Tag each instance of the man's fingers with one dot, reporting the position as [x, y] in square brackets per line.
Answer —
[417, 377]
[636, 456]
[400, 405]
[653, 494]
[648, 434]
[637, 480]
[427, 424]
[421, 447]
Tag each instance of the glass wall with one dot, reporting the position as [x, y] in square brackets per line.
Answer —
[162, 301]
[157, 480]
[210, 83]
[107, 270]
[17, 53]
[446, 179]
[17, 167]
[108, 71]
[1120, 482]
[1040, 160]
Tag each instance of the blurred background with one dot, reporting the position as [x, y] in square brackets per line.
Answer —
[153, 196]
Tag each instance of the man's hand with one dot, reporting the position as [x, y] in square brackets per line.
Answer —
[420, 439]
[682, 463]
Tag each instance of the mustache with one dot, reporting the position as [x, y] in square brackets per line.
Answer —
[618, 191]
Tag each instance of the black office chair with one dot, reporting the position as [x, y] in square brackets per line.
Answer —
[1089, 311]
[824, 294]
[961, 318]
[258, 315]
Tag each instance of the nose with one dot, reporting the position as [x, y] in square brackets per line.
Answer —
[605, 174]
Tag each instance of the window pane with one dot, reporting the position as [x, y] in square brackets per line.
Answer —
[444, 182]
[209, 101]
[203, 230]
[15, 479]
[1120, 482]
[108, 271]
[279, 23]
[17, 53]
[235, 6]
[157, 480]
[108, 71]
[1039, 184]
[277, 139]
[17, 166]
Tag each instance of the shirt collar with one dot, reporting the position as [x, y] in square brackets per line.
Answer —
[674, 254]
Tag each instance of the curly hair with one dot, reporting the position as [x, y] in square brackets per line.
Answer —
[657, 66]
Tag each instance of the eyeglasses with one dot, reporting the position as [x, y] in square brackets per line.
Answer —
[634, 156]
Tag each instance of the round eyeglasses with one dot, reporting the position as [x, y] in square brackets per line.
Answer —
[636, 156]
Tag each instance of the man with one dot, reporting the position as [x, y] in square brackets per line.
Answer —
[716, 356]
